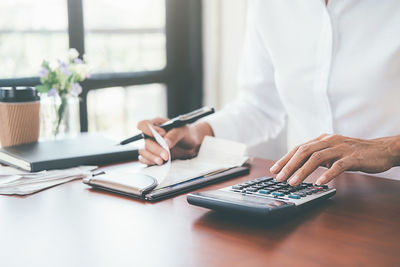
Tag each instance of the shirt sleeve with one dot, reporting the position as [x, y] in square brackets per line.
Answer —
[258, 114]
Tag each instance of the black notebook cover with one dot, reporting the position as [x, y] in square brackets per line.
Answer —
[85, 149]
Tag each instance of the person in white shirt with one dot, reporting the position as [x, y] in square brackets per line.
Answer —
[317, 67]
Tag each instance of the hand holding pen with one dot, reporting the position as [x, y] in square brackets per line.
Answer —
[182, 136]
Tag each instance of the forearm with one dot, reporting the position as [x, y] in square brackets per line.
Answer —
[394, 149]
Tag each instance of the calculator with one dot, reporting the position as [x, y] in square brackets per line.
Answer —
[263, 196]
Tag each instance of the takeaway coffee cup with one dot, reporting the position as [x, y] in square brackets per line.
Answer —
[19, 116]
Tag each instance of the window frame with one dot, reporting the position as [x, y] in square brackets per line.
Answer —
[182, 75]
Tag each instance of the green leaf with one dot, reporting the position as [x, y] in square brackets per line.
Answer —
[46, 64]
[43, 88]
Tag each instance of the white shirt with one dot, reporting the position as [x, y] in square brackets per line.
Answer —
[319, 69]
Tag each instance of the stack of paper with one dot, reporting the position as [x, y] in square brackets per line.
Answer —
[17, 182]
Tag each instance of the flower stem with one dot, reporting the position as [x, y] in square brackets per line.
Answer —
[60, 114]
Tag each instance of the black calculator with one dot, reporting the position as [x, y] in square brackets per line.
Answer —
[263, 196]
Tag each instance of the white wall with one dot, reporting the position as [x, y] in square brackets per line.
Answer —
[223, 36]
[224, 27]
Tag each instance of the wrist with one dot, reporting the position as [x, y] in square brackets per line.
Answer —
[395, 150]
[198, 131]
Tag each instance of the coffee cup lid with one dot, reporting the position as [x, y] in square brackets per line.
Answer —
[18, 94]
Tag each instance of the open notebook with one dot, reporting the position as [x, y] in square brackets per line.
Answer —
[217, 159]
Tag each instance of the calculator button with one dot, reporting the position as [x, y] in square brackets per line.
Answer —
[273, 188]
[266, 179]
[238, 187]
[294, 196]
[251, 189]
[278, 194]
[308, 192]
[263, 191]
[324, 186]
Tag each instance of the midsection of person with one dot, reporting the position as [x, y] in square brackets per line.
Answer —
[337, 67]
[330, 69]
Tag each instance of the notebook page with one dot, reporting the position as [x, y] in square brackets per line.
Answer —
[215, 154]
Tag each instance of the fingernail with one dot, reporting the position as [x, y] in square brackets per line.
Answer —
[280, 176]
[159, 161]
[293, 180]
[164, 155]
[274, 168]
[320, 180]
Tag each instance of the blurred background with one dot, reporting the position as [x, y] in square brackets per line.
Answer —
[147, 58]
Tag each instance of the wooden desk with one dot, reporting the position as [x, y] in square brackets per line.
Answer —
[71, 225]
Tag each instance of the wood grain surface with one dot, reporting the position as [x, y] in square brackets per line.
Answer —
[72, 225]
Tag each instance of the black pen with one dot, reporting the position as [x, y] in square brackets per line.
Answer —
[176, 122]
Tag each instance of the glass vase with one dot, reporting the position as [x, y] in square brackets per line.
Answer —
[59, 116]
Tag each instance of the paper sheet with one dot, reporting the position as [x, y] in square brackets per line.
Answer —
[163, 170]
[214, 155]
[17, 182]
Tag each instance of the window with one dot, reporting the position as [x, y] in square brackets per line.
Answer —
[117, 110]
[28, 33]
[123, 37]
[146, 53]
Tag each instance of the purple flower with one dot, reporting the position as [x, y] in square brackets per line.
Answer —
[78, 61]
[43, 73]
[53, 92]
[76, 89]
[64, 67]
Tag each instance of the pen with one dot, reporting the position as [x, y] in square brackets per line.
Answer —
[176, 122]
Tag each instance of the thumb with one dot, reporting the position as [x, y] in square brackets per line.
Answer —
[174, 136]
